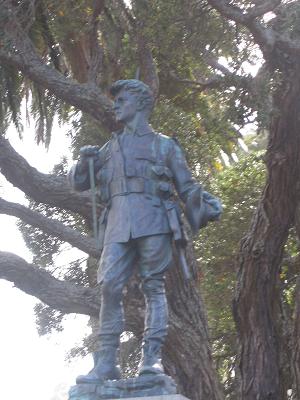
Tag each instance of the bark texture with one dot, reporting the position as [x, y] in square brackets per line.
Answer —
[191, 364]
[61, 295]
[257, 302]
[296, 344]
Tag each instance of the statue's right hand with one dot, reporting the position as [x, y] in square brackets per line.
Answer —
[89, 151]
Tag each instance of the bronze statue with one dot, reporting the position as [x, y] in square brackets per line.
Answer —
[137, 172]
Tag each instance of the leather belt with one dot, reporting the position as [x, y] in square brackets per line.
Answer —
[123, 186]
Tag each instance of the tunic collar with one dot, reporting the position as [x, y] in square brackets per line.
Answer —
[137, 132]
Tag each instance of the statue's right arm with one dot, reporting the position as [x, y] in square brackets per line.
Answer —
[79, 175]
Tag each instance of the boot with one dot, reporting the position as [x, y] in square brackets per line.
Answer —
[105, 366]
[151, 359]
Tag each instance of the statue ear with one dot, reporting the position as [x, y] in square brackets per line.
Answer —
[141, 104]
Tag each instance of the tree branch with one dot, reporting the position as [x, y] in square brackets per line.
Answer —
[243, 17]
[201, 84]
[228, 11]
[215, 81]
[214, 63]
[61, 295]
[261, 9]
[43, 188]
[16, 49]
[52, 227]
[266, 38]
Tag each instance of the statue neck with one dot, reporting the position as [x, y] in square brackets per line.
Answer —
[138, 123]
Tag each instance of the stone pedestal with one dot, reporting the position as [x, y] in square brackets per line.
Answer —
[154, 387]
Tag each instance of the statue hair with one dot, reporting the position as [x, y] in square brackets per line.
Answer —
[137, 87]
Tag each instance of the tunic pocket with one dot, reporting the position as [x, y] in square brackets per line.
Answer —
[144, 153]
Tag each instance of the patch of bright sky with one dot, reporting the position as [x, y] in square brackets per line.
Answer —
[33, 367]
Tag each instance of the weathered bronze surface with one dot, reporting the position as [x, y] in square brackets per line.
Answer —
[138, 172]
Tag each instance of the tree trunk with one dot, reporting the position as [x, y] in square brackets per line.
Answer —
[187, 350]
[186, 354]
[296, 347]
[257, 302]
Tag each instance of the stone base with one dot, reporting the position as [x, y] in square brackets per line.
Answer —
[142, 386]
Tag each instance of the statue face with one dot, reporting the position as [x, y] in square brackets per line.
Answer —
[125, 106]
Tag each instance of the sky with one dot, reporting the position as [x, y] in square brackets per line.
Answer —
[33, 367]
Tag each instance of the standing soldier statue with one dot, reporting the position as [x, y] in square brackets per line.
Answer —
[137, 172]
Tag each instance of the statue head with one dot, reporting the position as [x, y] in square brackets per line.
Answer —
[130, 97]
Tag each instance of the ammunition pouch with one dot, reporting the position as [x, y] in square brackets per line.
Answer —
[161, 172]
[156, 182]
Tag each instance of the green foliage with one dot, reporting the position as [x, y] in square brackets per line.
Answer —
[44, 107]
[181, 35]
[239, 186]
[86, 130]
[47, 319]
[201, 136]
[11, 93]
[43, 246]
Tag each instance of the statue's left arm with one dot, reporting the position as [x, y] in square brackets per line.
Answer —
[182, 176]
[200, 206]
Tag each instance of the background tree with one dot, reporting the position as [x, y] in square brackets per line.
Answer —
[257, 305]
[62, 56]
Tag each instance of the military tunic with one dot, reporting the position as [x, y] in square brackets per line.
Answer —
[142, 170]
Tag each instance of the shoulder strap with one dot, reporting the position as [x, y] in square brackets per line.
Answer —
[158, 150]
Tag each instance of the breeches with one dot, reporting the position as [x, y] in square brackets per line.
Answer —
[151, 255]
